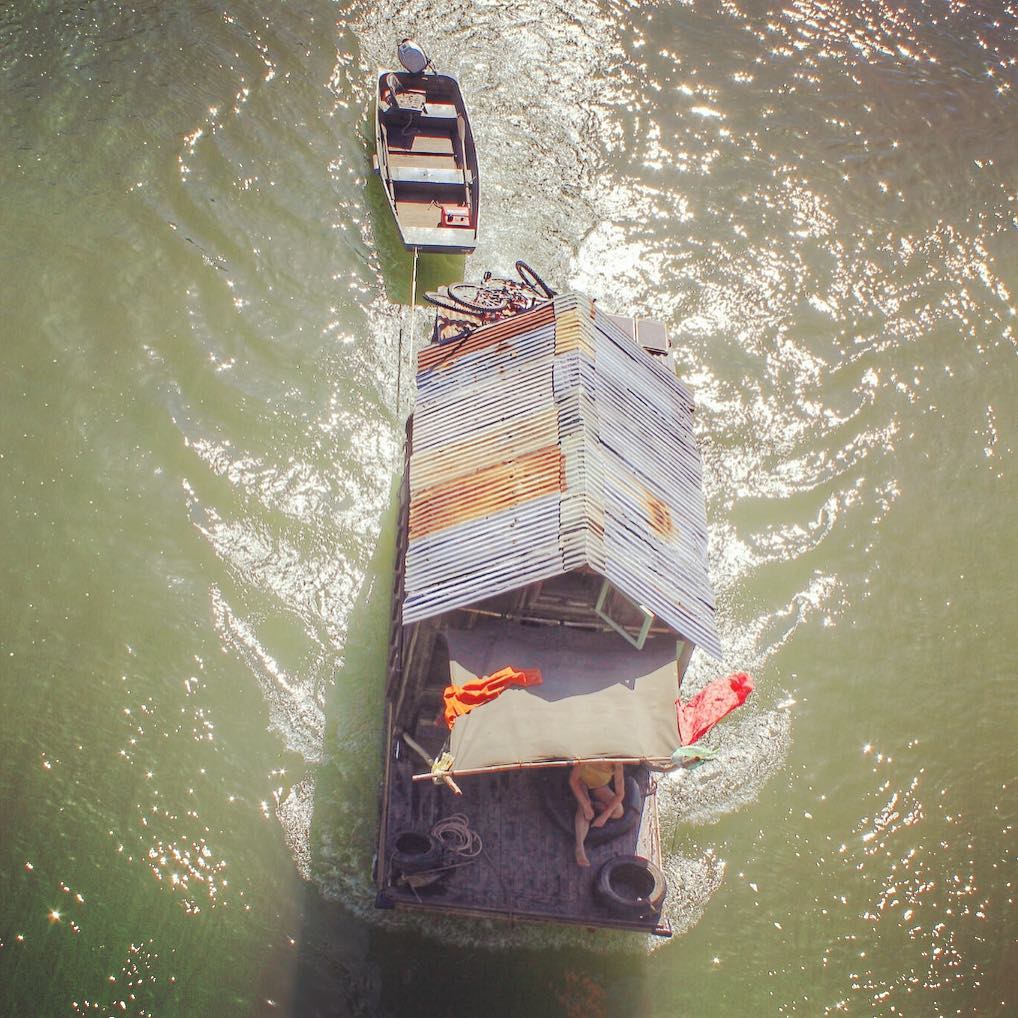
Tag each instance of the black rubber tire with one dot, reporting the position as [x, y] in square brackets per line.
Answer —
[534, 281]
[560, 805]
[631, 886]
[481, 299]
[413, 852]
[440, 300]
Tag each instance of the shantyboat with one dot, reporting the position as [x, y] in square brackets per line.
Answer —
[426, 157]
[551, 521]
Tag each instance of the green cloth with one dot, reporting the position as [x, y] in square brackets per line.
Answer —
[692, 755]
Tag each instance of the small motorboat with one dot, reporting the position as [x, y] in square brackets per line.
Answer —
[426, 157]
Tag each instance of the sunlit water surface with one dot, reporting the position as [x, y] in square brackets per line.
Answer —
[204, 377]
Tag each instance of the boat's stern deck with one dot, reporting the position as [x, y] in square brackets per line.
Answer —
[525, 869]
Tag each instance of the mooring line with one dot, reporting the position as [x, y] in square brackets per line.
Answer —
[399, 361]
[413, 303]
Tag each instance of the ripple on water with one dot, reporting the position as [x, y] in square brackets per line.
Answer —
[760, 202]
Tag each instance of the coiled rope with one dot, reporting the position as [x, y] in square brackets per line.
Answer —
[457, 836]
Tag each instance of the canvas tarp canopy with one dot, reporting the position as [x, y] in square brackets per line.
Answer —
[600, 697]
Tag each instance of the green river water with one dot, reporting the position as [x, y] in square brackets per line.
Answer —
[200, 431]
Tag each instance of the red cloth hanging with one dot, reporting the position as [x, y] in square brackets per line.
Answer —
[460, 700]
[710, 705]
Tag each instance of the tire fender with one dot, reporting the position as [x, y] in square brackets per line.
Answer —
[631, 886]
[413, 852]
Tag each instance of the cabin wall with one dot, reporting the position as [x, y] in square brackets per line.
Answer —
[410, 647]
[397, 631]
[568, 599]
[419, 646]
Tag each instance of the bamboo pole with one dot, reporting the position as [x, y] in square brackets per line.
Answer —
[435, 776]
[399, 363]
[533, 765]
[417, 748]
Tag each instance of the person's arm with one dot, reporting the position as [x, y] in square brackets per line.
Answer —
[581, 793]
[613, 802]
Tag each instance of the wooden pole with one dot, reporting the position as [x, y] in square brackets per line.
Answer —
[399, 363]
[419, 750]
[537, 764]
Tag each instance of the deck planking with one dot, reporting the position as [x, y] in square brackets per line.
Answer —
[421, 142]
[527, 869]
[419, 210]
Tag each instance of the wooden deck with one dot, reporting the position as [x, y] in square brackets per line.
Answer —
[417, 208]
[526, 871]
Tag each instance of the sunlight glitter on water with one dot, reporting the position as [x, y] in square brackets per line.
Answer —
[817, 200]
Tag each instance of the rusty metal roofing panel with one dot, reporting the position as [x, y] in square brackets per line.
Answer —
[482, 558]
[547, 442]
[497, 443]
[438, 356]
[474, 368]
[486, 491]
[456, 421]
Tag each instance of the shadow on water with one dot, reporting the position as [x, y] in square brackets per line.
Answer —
[334, 973]
[433, 270]
[353, 960]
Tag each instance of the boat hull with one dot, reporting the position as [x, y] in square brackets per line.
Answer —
[427, 160]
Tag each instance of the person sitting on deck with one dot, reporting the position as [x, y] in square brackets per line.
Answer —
[591, 784]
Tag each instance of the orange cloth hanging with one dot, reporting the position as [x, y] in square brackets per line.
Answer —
[463, 699]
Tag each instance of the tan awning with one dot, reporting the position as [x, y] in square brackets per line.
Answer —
[600, 697]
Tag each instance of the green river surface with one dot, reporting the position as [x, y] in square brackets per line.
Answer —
[200, 431]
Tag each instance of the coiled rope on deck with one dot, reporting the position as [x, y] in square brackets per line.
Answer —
[457, 836]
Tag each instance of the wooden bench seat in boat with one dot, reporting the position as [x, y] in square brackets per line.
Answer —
[421, 142]
[426, 175]
[438, 111]
[432, 112]
[438, 236]
[435, 113]
[441, 162]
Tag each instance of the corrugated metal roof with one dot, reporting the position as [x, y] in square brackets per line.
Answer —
[550, 441]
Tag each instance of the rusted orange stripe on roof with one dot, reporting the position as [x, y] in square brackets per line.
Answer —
[659, 515]
[483, 449]
[438, 355]
[490, 490]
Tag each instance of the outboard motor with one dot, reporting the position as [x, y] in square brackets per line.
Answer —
[413, 57]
